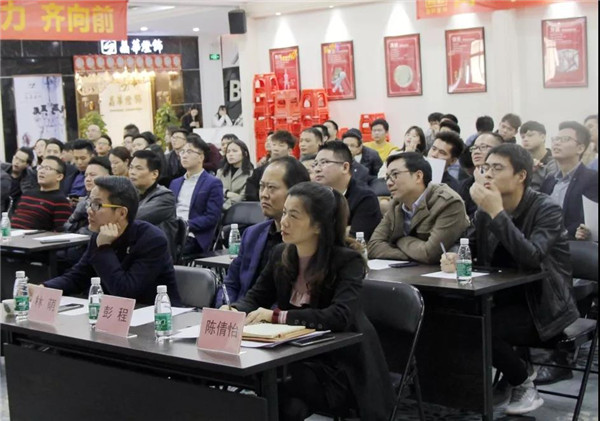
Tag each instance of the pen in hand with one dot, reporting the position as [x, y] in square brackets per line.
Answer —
[226, 296]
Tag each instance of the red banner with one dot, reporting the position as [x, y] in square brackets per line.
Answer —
[565, 52]
[439, 8]
[337, 59]
[285, 63]
[118, 63]
[64, 20]
[403, 65]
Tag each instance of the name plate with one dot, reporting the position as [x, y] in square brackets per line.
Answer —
[44, 304]
[115, 315]
[221, 330]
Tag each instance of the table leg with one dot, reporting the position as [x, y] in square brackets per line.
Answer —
[486, 312]
[268, 390]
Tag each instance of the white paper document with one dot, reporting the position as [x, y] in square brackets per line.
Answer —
[191, 332]
[61, 238]
[437, 169]
[378, 264]
[590, 216]
[19, 233]
[452, 275]
[144, 315]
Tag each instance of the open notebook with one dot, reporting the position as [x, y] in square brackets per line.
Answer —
[273, 332]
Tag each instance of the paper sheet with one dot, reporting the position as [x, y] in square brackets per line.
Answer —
[437, 169]
[445, 275]
[19, 233]
[590, 216]
[144, 315]
[61, 237]
[73, 300]
[378, 264]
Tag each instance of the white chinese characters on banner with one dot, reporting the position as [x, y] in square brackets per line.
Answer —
[40, 108]
[135, 46]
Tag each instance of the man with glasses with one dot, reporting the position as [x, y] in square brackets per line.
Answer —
[519, 228]
[332, 167]
[55, 147]
[103, 145]
[44, 208]
[422, 215]
[533, 139]
[178, 140]
[199, 196]
[131, 257]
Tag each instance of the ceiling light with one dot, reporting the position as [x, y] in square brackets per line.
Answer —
[144, 28]
[331, 6]
[195, 29]
[277, 13]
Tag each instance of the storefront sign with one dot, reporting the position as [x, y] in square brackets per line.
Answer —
[337, 59]
[403, 65]
[135, 46]
[565, 52]
[285, 63]
[101, 64]
[465, 61]
[440, 8]
[89, 20]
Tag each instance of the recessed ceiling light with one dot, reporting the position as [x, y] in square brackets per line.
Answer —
[195, 29]
[331, 6]
[277, 13]
[144, 28]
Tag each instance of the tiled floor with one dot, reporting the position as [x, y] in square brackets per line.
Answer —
[554, 408]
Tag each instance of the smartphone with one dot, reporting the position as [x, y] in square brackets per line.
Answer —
[403, 264]
[313, 340]
[68, 307]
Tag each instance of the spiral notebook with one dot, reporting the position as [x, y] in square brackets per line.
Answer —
[273, 332]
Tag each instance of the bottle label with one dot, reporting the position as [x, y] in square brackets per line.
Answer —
[162, 322]
[234, 249]
[463, 268]
[6, 231]
[94, 310]
[22, 303]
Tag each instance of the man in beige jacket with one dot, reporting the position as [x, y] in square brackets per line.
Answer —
[422, 214]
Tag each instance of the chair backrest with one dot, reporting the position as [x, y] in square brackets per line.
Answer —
[197, 286]
[244, 214]
[584, 259]
[396, 311]
[180, 239]
[379, 186]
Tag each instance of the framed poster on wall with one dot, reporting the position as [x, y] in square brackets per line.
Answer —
[403, 65]
[285, 63]
[337, 59]
[465, 60]
[564, 48]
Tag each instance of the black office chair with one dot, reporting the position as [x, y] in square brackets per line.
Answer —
[197, 286]
[396, 311]
[584, 260]
[379, 186]
[180, 239]
[244, 214]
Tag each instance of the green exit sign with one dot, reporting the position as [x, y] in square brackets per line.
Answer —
[214, 56]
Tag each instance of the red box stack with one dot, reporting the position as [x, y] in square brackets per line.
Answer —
[313, 107]
[264, 87]
[365, 125]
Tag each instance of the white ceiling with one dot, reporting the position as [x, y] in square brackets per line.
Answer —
[179, 17]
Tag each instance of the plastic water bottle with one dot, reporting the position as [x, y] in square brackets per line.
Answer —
[464, 263]
[94, 298]
[5, 227]
[21, 296]
[360, 239]
[163, 319]
[234, 241]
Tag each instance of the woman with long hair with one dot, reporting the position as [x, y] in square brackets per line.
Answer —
[314, 279]
[192, 119]
[414, 140]
[235, 172]
[221, 119]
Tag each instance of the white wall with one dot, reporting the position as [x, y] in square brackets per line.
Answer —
[513, 63]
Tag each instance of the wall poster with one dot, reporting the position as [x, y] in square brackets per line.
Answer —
[465, 60]
[403, 65]
[337, 59]
[564, 46]
[232, 87]
[285, 63]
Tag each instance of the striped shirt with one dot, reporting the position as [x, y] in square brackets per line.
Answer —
[42, 210]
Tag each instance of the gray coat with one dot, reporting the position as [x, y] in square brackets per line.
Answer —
[234, 186]
[157, 206]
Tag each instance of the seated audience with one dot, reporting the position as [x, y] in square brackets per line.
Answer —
[130, 257]
[483, 124]
[225, 140]
[447, 146]
[332, 168]
[422, 215]
[309, 142]
[168, 132]
[18, 171]
[103, 145]
[414, 140]
[509, 126]
[39, 148]
[332, 129]
[265, 159]
[590, 157]
[449, 117]
[199, 196]
[178, 139]
[324, 131]
[120, 159]
[67, 153]
[517, 227]
[128, 142]
[449, 126]
[44, 208]
[235, 172]
[259, 240]
[314, 279]
[367, 157]
[379, 131]
[83, 152]
[533, 139]
[307, 161]
[434, 120]
[192, 119]
[131, 130]
[93, 133]
[55, 147]
[5, 184]
[573, 180]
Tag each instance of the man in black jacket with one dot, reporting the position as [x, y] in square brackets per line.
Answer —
[332, 167]
[367, 157]
[516, 227]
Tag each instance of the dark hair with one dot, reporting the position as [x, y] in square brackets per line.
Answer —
[308, 157]
[179, 130]
[413, 161]
[454, 140]
[316, 132]
[153, 161]
[533, 126]
[422, 142]
[333, 123]
[354, 133]
[171, 128]
[466, 160]
[81, 144]
[582, 134]
[55, 141]
[197, 142]
[284, 136]
[131, 129]
[29, 152]
[591, 117]
[229, 136]
[381, 121]
[295, 172]
[495, 135]
[513, 120]
[220, 108]
[61, 164]
[107, 137]
[122, 192]
[40, 140]
[148, 136]
[434, 117]
[484, 124]
[518, 156]
[317, 201]
[340, 150]
[101, 161]
[68, 146]
[121, 152]
[451, 125]
[452, 117]
[246, 167]
[323, 129]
